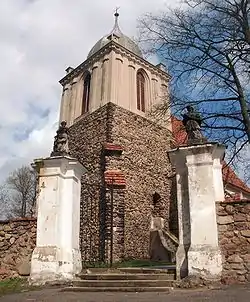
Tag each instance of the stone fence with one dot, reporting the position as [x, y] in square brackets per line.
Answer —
[17, 241]
[18, 238]
[233, 219]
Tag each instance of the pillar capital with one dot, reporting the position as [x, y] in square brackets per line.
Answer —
[197, 153]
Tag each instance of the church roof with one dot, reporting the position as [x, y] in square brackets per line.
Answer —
[117, 36]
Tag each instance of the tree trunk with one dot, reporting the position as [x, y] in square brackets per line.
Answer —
[242, 100]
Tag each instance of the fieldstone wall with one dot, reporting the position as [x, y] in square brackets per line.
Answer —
[17, 241]
[234, 238]
[146, 169]
[86, 139]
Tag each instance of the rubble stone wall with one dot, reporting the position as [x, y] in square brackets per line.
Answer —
[145, 166]
[17, 241]
[86, 138]
[233, 220]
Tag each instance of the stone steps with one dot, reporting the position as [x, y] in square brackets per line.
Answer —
[144, 270]
[127, 276]
[133, 270]
[117, 289]
[122, 283]
[124, 280]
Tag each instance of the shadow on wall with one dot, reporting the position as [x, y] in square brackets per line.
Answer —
[173, 210]
[157, 251]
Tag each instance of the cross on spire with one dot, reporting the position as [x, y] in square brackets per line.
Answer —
[116, 12]
[116, 32]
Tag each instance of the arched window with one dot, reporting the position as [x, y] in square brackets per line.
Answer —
[140, 83]
[86, 93]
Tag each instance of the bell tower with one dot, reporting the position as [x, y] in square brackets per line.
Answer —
[114, 71]
[106, 102]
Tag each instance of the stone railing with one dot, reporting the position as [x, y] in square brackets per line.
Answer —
[163, 243]
[233, 218]
[17, 241]
[170, 239]
[170, 243]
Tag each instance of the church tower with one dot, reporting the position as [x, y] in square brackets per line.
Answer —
[106, 102]
[116, 72]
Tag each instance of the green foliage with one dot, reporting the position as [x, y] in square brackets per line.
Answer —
[14, 285]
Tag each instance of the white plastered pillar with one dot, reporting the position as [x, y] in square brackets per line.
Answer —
[57, 255]
[197, 187]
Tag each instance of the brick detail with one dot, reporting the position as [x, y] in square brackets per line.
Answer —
[112, 149]
[114, 177]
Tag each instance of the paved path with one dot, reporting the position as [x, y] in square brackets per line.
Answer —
[227, 294]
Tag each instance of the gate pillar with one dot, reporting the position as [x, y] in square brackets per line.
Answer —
[199, 186]
[57, 255]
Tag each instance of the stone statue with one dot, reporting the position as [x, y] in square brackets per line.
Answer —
[192, 122]
[61, 141]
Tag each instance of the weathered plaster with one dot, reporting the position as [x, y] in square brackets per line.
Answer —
[199, 184]
[57, 255]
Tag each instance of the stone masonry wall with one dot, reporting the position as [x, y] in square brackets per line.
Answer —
[144, 163]
[86, 139]
[234, 238]
[87, 136]
[17, 241]
[146, 167]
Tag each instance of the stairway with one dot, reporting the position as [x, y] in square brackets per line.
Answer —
[124, 280]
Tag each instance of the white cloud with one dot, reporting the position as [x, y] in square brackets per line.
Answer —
[39, 39]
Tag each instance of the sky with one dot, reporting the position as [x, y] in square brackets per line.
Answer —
[39, 39]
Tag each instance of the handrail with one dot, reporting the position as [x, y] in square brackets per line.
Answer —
[172, 236]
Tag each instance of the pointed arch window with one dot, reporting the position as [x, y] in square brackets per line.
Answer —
[86, 93]
[140, 83]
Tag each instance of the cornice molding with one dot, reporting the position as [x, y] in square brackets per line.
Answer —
[117, 48]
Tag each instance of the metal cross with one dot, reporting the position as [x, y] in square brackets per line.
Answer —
[116, 10]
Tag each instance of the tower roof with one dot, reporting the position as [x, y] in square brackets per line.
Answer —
[117, 36]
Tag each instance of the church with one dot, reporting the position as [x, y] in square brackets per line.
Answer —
[128, 192]
[122, 185]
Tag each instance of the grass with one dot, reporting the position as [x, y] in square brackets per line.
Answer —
[14, 285]
[126, 263]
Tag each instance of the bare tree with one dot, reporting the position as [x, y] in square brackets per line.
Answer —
[4, 201]
[18, 194]
[206, 47]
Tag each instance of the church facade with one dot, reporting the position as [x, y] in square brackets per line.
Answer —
[128, 198]
[106, 101]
